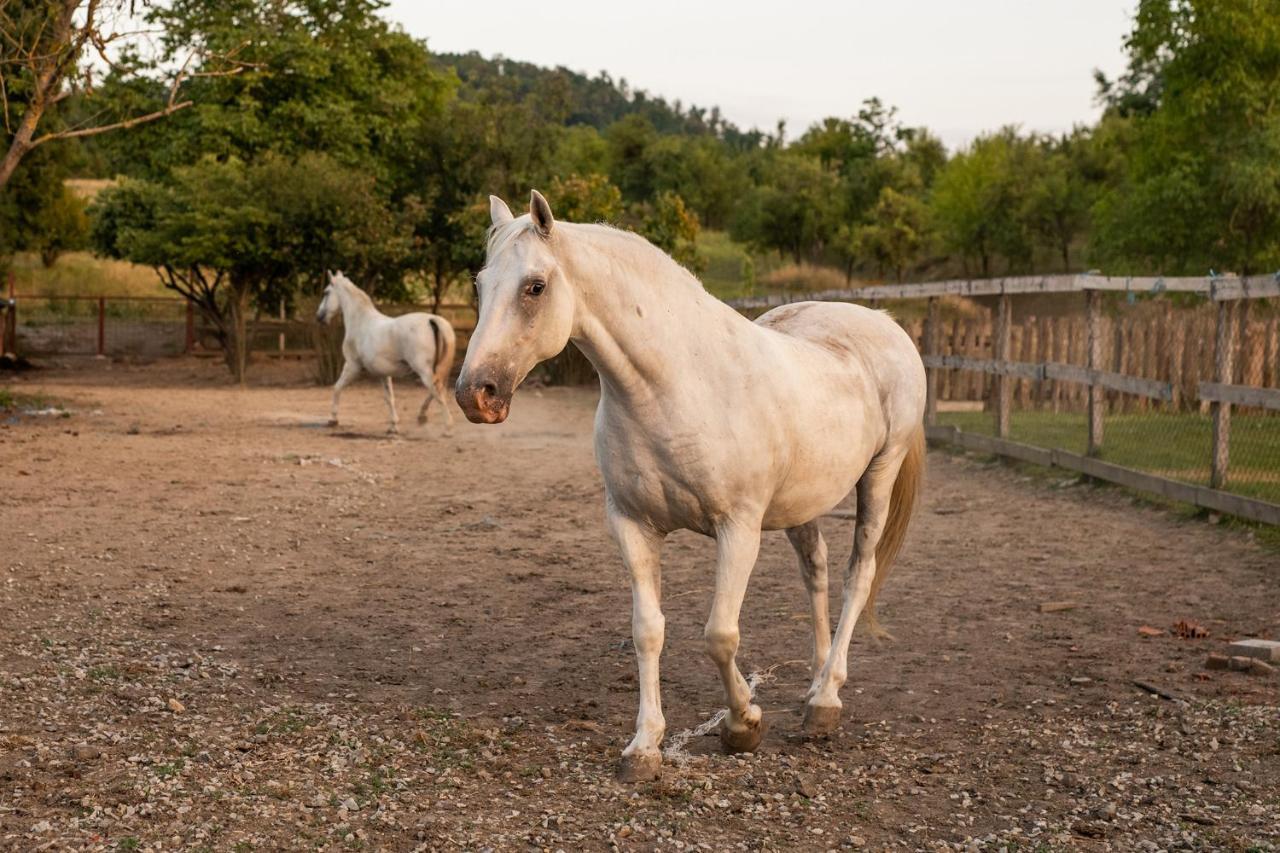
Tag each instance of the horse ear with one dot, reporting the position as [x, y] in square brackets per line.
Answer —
[540, 212]
[498, 211]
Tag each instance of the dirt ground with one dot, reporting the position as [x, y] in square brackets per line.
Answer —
[225, 626]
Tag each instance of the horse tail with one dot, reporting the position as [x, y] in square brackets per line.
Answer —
[446, 346]
[902, 502]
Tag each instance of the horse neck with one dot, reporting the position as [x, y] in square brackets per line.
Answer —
[641, 319]
[356, 305]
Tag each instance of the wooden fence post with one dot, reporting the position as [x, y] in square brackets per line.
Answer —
[10, 335]
[102, 325]
[1093, 304]
[1224, 345]
[1003, 382]
[931, 347]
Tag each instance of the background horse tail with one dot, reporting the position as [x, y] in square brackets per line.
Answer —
[446, 346]
[902, 502]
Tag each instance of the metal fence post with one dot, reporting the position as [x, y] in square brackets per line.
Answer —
[1224, 347]
[102, 325]
[1097, 398]
[1003, 382]
[931, 322]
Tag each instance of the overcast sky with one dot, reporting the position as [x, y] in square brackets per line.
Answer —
[957, 66]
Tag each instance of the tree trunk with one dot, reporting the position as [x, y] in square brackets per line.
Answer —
[238, 353]
[438, 292]
[1066, 256]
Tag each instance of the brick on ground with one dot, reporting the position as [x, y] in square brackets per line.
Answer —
[1264, 650]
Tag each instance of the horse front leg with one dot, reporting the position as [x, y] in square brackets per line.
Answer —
[736, 550]
[822, 710]
[350, 370]
[642, 759]
[811, 550]
[394, 427]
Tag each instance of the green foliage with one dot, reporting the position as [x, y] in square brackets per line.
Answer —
[978, 197]
[896, 232]
[586, 199]
[668, 224]
[225, 233]
[1200, 183]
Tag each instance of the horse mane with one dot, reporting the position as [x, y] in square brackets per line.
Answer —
[352, 288]
[501, 236]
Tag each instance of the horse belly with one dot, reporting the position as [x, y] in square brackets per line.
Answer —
[833, 441]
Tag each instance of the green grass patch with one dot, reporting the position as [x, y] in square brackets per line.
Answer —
[1176, 445]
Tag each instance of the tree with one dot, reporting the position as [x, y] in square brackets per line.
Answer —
[795, 208]
[590, 198]
[1200, 183]
[895, 234]
[668, 224]
[1060, 195]
[225, 233]
[47, 53]
[978, 197]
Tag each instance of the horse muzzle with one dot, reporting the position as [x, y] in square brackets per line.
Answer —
[482, 401]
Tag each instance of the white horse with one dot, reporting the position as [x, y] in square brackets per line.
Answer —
[712, 423]
[384, 346]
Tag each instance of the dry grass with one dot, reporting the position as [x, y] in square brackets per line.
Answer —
[82, 274]
[805, 278]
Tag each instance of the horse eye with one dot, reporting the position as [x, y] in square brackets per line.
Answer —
[537, 286]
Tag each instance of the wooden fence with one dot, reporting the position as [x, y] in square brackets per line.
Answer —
[1211, 358]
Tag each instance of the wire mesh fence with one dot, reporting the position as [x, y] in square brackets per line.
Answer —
[1156, 358]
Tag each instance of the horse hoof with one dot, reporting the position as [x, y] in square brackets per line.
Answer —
[821, 720]
[742, 740]
[640, 767]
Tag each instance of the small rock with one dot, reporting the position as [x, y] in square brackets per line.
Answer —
[805, 787]
[546, 774]
[85, 752]
[177, 707]
[350, 804]
[1081, 679]
[857, 841]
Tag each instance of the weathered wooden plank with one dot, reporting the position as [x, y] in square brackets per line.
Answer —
[1240, 395]
[991, 444]
[1106, 379]
[1146, 284]
[1212, 499]
[1246, 288]
[1024, 369]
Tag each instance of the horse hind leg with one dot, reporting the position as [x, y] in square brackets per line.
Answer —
[811, 550]
[393, 428]
[434, 393]
[822, 709]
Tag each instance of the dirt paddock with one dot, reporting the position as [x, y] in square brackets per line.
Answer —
[225, 626]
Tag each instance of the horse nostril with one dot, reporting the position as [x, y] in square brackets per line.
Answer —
[488, 389]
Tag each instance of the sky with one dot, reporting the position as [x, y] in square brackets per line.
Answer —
[959, 67]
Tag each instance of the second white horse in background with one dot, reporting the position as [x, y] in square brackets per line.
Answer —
[382, 346]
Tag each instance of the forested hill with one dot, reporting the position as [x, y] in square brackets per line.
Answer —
[572, 98]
